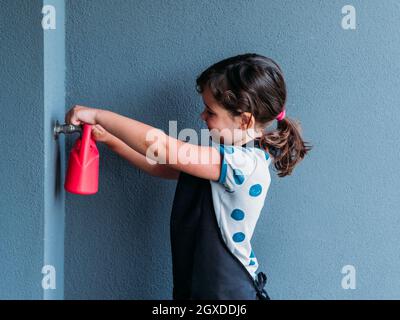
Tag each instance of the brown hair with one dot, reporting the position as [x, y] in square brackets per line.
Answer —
[254, 83]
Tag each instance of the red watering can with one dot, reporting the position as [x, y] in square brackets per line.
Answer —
[82, 175]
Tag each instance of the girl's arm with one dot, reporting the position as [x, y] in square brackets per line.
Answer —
[147, 140]
[139, 160]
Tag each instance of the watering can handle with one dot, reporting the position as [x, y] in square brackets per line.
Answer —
[85, 143]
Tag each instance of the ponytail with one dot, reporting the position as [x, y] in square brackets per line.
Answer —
[286, 145]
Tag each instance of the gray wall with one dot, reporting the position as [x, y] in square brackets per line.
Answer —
[140, 59]
[32, 67]
[21, 146]
[54, 156]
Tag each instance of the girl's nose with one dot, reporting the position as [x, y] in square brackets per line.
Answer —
[203, 116]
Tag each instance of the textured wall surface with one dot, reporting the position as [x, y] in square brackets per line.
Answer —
[140, 59]
[340, 207]
[22, 149]
[32, 67]
[54, 109]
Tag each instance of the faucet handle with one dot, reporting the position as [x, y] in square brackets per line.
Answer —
[66, 129]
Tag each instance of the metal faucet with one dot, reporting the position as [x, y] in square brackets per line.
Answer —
[66, 129]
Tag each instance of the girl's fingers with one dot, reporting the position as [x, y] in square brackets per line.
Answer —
[98, 130]
[71, 117]
[101, 129]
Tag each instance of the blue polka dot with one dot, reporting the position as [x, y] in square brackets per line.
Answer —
[238, 176]
[238, 237]
[252, 263]
[266, 156]
[252, 254]
[237, 214]
[255, 190]
[228, 149]
[224, 167]
[222, 176]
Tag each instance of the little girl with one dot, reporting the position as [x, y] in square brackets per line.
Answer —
[217, 203]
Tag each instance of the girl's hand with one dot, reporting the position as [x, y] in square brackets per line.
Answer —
[80, 114]
[100, 134]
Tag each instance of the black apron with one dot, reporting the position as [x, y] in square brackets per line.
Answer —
[202, 265]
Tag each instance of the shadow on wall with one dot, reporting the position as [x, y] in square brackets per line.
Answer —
[59, 179]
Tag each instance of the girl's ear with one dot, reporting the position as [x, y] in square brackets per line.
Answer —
[247, 120]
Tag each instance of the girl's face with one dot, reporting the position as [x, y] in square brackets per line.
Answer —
[224, 128]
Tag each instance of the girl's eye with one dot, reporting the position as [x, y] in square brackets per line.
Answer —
[209, 112]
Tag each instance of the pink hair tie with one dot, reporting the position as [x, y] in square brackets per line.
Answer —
[281, 115]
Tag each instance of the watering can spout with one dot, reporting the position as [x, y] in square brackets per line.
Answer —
[83, 165]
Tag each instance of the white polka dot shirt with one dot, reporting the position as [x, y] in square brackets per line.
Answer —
[238, 197]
